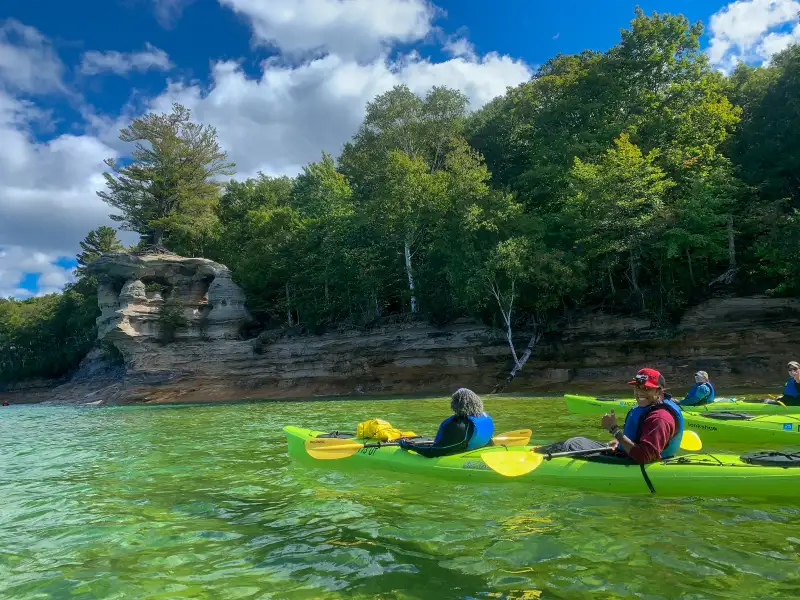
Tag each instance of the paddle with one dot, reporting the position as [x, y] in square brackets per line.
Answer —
[517, 462]
[334, 449]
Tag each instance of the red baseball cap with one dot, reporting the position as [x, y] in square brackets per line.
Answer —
[649, 378]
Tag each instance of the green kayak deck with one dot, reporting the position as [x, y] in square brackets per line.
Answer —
[714, 475]
[753, 407]
[713, 425]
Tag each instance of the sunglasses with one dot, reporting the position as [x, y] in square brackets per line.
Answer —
[640, 379]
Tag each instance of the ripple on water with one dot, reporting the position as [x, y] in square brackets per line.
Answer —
[202, 502]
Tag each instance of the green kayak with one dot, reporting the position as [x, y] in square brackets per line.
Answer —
[731, 405]
[715, 475]
[720, 426]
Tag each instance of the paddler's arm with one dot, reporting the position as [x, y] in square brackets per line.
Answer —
[657, 430]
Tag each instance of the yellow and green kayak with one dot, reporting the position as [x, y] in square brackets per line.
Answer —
[602, 405]
[711, 475]
[721, 425]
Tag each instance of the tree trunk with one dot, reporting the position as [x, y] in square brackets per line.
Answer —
[731, 245]
[410, 273]
[611, 281]
[689, 260]
[635, 280]
[518, 363]
[158, 238]
[728, 277]
[289, 319]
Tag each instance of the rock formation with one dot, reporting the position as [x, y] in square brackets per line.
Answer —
[742, 342]
[133, 290]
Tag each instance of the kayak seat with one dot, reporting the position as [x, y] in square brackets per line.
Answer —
[773, 459]
[338, 435]
[729, 416]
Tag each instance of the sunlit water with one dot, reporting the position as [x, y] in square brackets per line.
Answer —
[203, 502]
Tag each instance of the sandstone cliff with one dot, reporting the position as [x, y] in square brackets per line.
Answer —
[742, 342]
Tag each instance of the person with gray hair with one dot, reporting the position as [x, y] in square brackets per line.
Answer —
[468, 429]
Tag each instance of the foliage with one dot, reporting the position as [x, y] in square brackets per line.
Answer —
[171, 318]
[631, 179]
[97, 241]
[168, 187]
[49, 335]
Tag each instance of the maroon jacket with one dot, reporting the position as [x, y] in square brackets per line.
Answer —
[658, 428]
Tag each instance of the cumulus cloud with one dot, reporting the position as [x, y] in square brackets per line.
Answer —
[275, 122]
[122, 63]
[290, 114]
[349, 28]
[460, 47]
[28, 62]
[752, 31]
[16, 261]
[47, 188]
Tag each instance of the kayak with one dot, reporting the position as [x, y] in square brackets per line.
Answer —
[757, 407]
[719, 426]
[714, 475]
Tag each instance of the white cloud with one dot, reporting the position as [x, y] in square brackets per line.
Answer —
[360, 29]
[167, 12]
[460, 47]
[122, 63]
[27, 61]
[289, 115]
[752, 31]
[15, 261]
[47, 189]
[275, 123]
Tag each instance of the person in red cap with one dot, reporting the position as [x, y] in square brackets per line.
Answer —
[652, 430]
[654, 427]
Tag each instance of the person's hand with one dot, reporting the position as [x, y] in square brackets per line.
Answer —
[612, 445]
[609, 421]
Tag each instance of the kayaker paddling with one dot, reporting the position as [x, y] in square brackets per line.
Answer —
[652, 429]
[791, 389]
[468, 429]
[702, 392]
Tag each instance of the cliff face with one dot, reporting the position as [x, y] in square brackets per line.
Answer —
[741, 342]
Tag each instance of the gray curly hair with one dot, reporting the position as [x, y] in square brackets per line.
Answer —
[466, 403]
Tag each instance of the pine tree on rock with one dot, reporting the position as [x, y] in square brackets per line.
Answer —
[169, 185]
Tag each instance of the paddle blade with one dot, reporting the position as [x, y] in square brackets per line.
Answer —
[520, 437]
[512, 464]
[331, 448]
[691, 441]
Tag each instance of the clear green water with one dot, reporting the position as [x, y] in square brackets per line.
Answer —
[202, 502]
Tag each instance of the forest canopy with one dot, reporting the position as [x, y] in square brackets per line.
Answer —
[637, 180]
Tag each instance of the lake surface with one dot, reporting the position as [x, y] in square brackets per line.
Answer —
[202, 502]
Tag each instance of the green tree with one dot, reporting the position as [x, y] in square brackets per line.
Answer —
[97, 241]
[619, 204]
[169, 186]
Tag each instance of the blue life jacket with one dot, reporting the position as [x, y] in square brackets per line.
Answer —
[790, 388]
[693, 394]
[481, 435]
[636, 416]
[484, 430]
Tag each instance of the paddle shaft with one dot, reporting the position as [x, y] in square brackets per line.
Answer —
[574, 453]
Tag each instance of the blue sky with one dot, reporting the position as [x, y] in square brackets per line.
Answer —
[282, 80]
